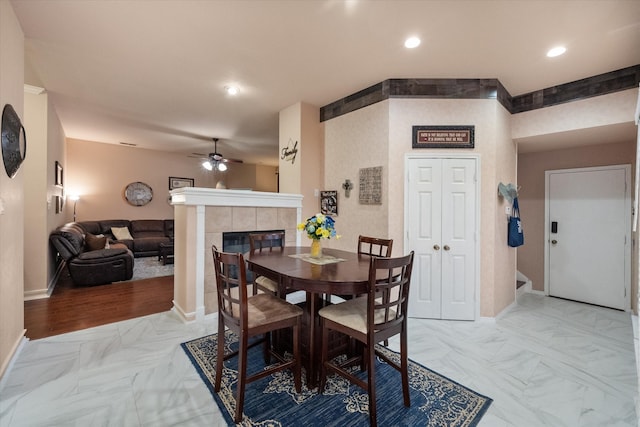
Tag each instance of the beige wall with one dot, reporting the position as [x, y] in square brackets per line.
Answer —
[531, 177]
[354, 141]
[611, 109]
[290, 131]
[11, 193]
[46, 146]
[99, 173]
[301, 122]
[504, 257]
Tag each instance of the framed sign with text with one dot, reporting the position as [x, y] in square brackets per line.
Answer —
[329, 202]
[175, 182]
[443, 136]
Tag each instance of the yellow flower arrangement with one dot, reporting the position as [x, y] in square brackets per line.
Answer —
[319, 227]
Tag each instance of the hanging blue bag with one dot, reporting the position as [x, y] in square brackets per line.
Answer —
[515, 235]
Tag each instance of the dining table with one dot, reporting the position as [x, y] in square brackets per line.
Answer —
[336, 272]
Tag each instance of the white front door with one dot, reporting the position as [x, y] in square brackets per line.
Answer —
[441, 229]
[588, 235]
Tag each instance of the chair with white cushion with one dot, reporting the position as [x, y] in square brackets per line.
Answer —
[370, 319]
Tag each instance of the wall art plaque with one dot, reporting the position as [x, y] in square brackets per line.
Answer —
[443, 136]
[371, 186]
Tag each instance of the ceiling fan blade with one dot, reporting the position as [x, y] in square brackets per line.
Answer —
[225, 160]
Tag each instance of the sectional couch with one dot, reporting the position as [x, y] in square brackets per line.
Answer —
[101, 252]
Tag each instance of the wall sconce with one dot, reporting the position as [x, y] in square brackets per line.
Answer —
[347, 185]
[75, 199]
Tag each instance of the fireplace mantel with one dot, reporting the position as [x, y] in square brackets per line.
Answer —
[201, 216]
[214, 197]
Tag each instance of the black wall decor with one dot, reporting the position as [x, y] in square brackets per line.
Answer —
[14, 141]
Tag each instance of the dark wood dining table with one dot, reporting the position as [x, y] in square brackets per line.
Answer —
[287, 266]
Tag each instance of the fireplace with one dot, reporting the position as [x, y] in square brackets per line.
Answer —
[238, 241]
[202, 215]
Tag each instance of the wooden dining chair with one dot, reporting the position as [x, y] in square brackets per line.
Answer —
[374, 246]
[259, 242]
[248, 317]
[370, 319]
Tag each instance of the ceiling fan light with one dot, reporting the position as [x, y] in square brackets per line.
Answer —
[556, 51]
[232, 90]
[412, 42]
[207, 165]
[222, 167]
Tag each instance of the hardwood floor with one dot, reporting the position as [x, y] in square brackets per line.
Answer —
[71, 308]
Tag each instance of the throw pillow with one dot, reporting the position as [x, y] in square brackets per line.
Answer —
[94, 243]
[121, 233]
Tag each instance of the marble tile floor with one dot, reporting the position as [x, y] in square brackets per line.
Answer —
[545, 362]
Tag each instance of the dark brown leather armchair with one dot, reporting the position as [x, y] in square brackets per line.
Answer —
[90, 267]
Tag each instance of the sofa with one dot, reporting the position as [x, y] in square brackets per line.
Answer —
[146, 234]
[96, 252]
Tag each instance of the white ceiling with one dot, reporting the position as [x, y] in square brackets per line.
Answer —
[152, 72]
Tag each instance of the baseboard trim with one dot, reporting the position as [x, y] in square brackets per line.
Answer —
[7, 364]
[184, 316]
[33, 295]
[45, 293]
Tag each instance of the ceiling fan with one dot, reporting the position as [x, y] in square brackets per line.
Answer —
[216, 160]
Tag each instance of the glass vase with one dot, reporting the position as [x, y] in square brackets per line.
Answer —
[316, 248]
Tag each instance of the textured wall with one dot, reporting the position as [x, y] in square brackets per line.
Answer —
[11, 193]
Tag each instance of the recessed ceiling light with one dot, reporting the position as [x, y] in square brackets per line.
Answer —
[556, 51]
[232, 90]
[412, 42]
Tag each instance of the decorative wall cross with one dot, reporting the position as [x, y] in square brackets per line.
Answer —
[347, 185]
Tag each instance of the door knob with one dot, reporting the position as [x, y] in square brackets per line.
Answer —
[446, 247]
[554, 241]
[436, 247]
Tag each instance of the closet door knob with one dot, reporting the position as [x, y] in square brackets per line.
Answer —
[446, 247]
[436, 247]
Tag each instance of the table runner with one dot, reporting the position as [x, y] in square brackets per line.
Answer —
[324, 259]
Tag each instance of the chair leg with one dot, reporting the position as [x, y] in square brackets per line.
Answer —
[266, 348]
[296, 356]
[323, 356]
[220, 355]
[242, 376]
[371, 383]
[404, 368]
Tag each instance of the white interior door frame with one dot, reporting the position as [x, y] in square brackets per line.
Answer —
[414, 155]
[547, 225]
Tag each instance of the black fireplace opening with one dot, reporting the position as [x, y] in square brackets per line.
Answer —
[238, 241]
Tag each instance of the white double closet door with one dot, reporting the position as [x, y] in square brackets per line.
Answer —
[441, 223]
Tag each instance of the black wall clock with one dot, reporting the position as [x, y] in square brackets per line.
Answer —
[138, 193]
[14, 141]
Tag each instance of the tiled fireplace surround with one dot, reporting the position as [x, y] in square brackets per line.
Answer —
[201, 216]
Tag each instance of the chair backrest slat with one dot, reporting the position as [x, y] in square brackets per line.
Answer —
[374, 246]
[389, 281]
[231, 286]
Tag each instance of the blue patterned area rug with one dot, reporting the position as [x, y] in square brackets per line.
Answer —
[272, 401]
